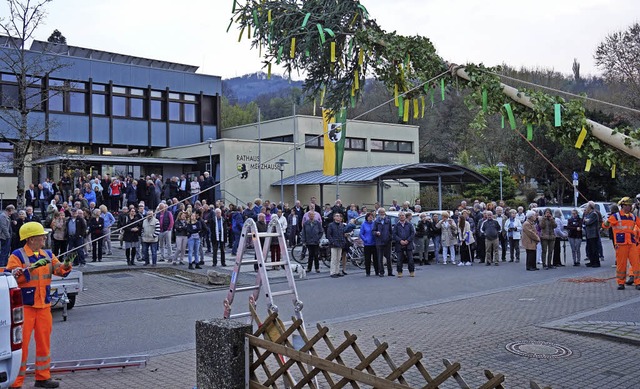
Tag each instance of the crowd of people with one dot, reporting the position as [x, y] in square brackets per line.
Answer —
[160, 221]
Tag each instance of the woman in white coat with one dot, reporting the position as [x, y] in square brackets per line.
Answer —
[449, 237]
[514, 232]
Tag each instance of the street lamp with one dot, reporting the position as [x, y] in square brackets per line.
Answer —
[500, 166]
[210, 156]
[281, 162]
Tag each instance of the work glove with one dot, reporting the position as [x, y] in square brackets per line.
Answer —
[40, 262]
[17, 272]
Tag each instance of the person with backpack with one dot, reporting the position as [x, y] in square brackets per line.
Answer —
[237, 222]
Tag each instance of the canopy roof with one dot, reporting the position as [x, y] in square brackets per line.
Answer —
[424, 173]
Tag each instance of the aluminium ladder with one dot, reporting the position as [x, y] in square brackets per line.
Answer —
[250, 233]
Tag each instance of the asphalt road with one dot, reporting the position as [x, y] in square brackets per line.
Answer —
[165, 324]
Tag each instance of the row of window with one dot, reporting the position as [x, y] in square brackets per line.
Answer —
[125, 102]
[315, 141]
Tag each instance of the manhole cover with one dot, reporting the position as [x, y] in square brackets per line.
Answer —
[538, 349]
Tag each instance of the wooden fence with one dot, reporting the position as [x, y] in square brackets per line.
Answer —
[276, 363]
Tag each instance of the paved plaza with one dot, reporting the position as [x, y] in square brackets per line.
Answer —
[596, 326]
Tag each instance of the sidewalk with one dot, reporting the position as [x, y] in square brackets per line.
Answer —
[476, 331]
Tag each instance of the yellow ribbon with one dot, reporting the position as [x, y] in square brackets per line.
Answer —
[423, 106]
[415, 108]
[395, 95]
[292, 54]
[405, 117]
[361, 57]
[333, 51]
[587, 167]
[583, 134]
[356, 79]
[613, 171]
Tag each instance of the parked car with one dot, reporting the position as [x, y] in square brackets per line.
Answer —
[11, 319]
[603, 207]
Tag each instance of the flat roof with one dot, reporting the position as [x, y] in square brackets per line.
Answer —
[113, 159]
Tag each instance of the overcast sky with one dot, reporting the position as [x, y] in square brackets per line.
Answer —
[538, 33]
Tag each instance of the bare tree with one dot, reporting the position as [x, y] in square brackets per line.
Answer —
[25, 91]
[619, 57]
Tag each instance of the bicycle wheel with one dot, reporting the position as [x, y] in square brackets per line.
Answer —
[299, 254]
[358, 258]
[324, 255]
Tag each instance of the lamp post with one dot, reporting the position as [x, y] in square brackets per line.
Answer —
[210, 156]
[500, 166]
[281, 162]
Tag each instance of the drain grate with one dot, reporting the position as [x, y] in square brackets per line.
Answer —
[538, 349]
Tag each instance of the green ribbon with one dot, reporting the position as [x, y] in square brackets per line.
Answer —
[307, 53]
[280, 49]
[353, 101]
[529, 131]
[484, 100]
[306, 19]
[431, 97]
[442, 88]
[233, 7]
[558, 115]
[365, 13]
[512, 119]
[400, 106]
[321, 31]
[501, 121]
[255, 17]
[330, 32]
[351, 42]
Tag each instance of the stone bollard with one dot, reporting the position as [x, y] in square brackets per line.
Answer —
[220, 353]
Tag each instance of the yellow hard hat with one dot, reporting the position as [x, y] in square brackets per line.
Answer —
[625, 201]
[31, 229]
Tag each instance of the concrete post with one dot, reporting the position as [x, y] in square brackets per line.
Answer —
[220, 353]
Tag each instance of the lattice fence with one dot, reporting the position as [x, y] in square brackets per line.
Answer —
[276, 363]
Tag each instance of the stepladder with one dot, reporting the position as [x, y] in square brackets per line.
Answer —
[276, 293]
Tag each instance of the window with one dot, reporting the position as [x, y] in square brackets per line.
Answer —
[189, 113]
[98, 87]
[313, 141]
[354, 144]
[56, 100]
[187, 97]
[6, 159]
[136, 108]
[10, 95]
[99, 104]
[174, 111]
[156, 110]
[285, 138]
[156, 94]
[119, 106]
[208, 104]
[128, 102]
[77, 102]
[10, 92]
[391, 146]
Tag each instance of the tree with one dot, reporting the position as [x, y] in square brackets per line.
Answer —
[619, 58]
[492, 189]
[236, 114]
[57, 38]
[28, 93]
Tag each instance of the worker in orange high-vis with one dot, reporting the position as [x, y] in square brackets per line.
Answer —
[624, 225]
[33, 267]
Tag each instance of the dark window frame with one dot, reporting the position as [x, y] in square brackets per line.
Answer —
[7, 148]
[387, 146]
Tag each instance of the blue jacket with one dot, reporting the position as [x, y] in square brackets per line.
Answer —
[384, 227]
[237, 222]
[89, 196]
[366, 234]
[406, 232]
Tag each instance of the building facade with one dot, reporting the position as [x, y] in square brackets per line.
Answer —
[98, 104]
[245, 160]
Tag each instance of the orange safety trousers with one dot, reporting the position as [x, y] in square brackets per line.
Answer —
[37, 320]
[631, 253]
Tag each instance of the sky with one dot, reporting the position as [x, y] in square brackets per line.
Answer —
[536, 33]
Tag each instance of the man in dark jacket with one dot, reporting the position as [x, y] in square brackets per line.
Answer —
[75, 233]
[403, 235]
[311, 235]
[382, 233]
[335, 235]
[218, 236]
[491, 230]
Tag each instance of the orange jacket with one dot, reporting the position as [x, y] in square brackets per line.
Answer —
[36, 283]
[624, 227]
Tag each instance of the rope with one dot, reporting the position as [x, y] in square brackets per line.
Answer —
[566, 93]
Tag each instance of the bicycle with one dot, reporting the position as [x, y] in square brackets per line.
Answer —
[355, 252]
[299, 253]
